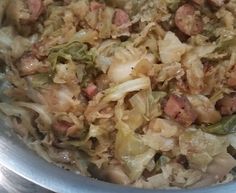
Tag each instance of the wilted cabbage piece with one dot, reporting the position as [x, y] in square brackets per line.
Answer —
[173, 4]
[221, 165]
[200, 147]
[119, 91]
[98, 155]
[132, 151]
[39, 80]
[171, 49]
[24, 126]
[75, 51]
[129, 148]
[125, 64]
[205, 109]
[223, 127]
[71, 62]
[44, 118]
[148, 103]
[12, 46]
[158, 142]
[181, 176]
[3, 6]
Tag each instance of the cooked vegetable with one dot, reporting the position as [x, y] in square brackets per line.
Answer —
[226, 126]
[206, 112]
[12, 45]
[138, 93]
[218, 168]
[171, 49]
[130, 148]
[119, 91]
[3, 6]
[75, 51]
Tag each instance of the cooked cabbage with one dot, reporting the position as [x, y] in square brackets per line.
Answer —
[138, 93]
[12, 45]
[171, 49]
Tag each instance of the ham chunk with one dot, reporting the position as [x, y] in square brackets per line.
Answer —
[180, 109]
[227, 105]
[91, 90]
[121, 18]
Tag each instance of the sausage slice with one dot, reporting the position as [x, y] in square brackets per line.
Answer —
[187, 21]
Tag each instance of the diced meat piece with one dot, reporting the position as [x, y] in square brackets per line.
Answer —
[232, 82]
[227, 105]
[95, 6]
[29, 65]
[91, 90]
[121, 18]
[217, 3]
[36, 8]
[61, 127]
[180, 109]
[232, 78]
[187, 21]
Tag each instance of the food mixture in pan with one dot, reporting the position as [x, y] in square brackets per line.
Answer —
[138, 92]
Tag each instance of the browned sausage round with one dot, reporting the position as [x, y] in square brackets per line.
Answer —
[187, 21]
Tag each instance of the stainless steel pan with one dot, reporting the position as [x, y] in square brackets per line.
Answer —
[17, 157]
